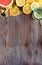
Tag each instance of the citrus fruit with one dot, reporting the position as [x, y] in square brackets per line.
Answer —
[34, 5]
[14, 11]
[33, 16]
[40, 3]
[38, 13]
[6, 3]
[26, 9]
[36, 0]
[29, 1]
[20, 3]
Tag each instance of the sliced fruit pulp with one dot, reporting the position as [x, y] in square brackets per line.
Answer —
[5, 2]
[20, 3]
[38, 13]
[35, 17]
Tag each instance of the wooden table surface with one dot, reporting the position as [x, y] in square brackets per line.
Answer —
[20, 41]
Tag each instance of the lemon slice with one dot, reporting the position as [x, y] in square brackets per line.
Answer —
[14, 11]
[26, 9]
[20, 3]
[34, 5]
[38, 13]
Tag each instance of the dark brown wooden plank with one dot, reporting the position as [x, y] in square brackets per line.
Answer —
[20, 41]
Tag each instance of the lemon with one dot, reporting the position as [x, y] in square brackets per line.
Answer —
[34, 5]
[26, 9]
[29, 1]
[20, 3]
[37, 0]
[40, 2]
[14, 11]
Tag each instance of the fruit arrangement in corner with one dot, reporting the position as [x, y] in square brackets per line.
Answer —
[16, 7]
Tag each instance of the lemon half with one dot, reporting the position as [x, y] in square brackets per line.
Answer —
[40, 3]
[34, 5]
[26, 9]
[20, 3]
[14, 11]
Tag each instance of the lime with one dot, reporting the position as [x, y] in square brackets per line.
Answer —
[38, 13]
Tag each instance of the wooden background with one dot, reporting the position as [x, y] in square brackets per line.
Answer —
[20, 41]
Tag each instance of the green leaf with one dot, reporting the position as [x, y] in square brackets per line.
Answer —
[20, 8]
[3, 14]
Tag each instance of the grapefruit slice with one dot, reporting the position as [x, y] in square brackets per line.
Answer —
[6, 3]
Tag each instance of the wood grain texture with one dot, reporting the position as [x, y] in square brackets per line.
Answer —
[20, 41]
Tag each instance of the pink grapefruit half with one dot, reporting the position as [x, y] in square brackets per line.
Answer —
[6, 3]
